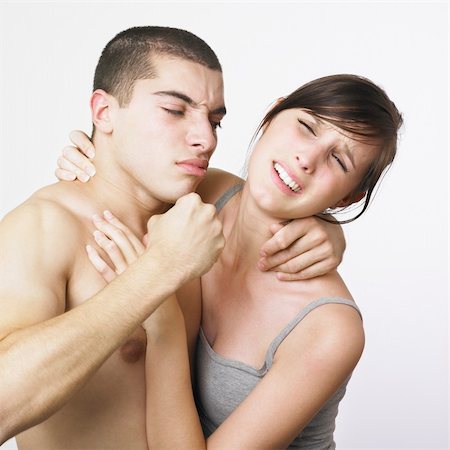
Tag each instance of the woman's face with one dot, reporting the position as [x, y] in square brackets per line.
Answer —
[302, 165]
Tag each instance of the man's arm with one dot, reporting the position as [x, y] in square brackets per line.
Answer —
[303, 249]
[46, 354]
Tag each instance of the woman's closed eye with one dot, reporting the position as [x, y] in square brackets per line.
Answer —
[307, 126]
[340, 162]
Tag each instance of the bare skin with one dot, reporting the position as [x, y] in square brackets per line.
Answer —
[243, 309]
[84, 344]
[72, 353]
[77, 359]
[298, 250]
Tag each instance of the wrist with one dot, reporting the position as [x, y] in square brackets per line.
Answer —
[146, 284]
[166, 323]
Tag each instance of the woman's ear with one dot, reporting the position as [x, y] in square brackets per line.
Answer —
[102, 105]
[350, 199]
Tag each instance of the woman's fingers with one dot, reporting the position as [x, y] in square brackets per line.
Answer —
[65, 164]
[112, 250]
[118, 241]
[124, 241]
[73, 156]
[65, 175]
[136, 243]
[83, 143]
[312, 271]
[100, 265]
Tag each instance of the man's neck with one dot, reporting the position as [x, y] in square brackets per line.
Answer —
[112, 188]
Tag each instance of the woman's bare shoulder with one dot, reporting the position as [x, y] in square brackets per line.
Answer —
[331, 317]
[216, 182]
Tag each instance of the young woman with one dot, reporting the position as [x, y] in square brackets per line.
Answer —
[273, 358]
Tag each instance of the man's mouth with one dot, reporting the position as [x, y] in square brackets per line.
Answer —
[286, 179]
[194, 166]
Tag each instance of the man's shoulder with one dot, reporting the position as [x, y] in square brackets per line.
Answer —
[216, 182]
[38, 249]
[45, 210]
[43, 226]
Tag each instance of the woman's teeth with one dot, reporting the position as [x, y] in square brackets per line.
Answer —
[287, 180]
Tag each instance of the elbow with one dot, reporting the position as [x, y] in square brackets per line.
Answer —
[14, 418]
[6, 428]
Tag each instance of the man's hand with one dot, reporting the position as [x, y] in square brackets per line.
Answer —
[188, 238]
[303, 249]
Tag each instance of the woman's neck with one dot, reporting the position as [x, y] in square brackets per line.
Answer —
[246, 229]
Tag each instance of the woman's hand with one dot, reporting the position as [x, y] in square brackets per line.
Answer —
[303, 249]
[75, 160]
[119, 243]
[123, 247]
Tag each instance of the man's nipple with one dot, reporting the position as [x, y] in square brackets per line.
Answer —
[133, 350]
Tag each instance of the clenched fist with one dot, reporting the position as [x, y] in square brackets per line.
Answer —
[188, 238]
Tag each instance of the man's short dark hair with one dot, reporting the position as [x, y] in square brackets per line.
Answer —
[128, 57]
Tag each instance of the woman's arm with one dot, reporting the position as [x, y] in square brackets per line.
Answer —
[303, 249]
[171, 332]
[309, 366]
[172, 419]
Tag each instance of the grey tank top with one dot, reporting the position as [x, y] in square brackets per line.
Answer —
[222, 384]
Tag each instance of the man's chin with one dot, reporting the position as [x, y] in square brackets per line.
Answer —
[172, 197]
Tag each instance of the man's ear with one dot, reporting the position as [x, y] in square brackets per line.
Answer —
[350, 199]
[102, 107]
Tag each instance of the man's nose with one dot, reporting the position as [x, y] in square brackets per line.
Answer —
[202, 136]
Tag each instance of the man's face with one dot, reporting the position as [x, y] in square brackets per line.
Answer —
[166, 135]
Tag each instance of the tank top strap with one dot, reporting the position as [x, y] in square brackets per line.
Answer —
[229, 193]
[298, 318]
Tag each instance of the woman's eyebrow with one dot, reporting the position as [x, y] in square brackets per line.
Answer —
[344, 146]
[185, 98]
[346, 150]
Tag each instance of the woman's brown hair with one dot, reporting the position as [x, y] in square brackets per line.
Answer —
[358, 106]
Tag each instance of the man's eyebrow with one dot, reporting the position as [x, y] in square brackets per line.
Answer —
[185, 98]
[178, 95]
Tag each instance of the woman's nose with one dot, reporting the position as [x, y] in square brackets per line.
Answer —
[307, 157]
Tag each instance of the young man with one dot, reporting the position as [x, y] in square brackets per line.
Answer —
[72, 350]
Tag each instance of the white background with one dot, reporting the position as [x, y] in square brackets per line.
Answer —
[396, 261]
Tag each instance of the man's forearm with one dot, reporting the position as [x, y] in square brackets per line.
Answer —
[42, 366]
